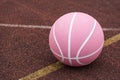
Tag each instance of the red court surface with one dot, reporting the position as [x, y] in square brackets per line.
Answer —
[26, 50]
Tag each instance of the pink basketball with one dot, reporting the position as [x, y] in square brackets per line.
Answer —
[76, 39]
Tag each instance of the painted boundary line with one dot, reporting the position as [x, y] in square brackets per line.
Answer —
[42, 72]
[56, 66]
[111, 40]
[25, 26]
[46, 27]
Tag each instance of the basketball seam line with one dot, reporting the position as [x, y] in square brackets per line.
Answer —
[81, 57]
[69, 37]
[57, 43]
[84, 43]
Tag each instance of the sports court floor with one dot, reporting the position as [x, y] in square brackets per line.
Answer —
[24, 31]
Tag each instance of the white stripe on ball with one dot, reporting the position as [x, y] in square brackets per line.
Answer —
[84, 43]
[56, 41]
[81, 57]
[69, 38]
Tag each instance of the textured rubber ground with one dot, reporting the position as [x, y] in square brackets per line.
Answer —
[26, 50]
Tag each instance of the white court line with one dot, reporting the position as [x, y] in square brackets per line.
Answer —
[47, 27]
[111, 29]
[26, 26]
